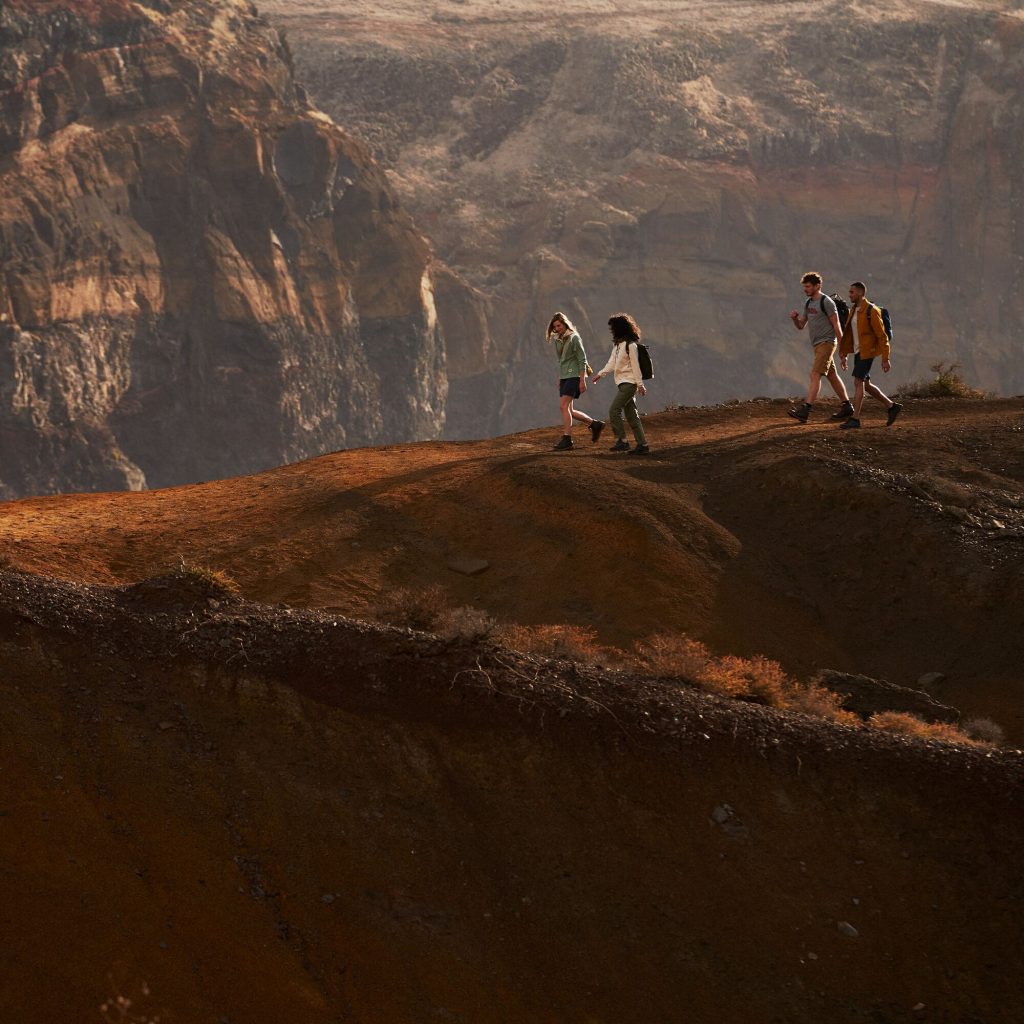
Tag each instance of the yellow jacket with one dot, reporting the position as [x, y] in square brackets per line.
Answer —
[870, 332]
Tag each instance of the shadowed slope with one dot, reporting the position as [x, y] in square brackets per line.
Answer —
[876, 553]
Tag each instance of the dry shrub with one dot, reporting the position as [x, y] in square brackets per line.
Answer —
[985, 730]
[465, 624]
[416, 609]
[214, 579]
[673, 656]
[758, 680]
[571, 643]
[911, 725]
[812, 699]
[947, 383]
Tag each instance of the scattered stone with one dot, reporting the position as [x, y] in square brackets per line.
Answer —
[468, 566]
[729, 822]
[930, 679]
[327, 898]
[955, 512]
[164, 726]
[848, 930]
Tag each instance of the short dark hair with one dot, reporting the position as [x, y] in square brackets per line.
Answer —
[623, 327]
[811, 277]
[861, 286]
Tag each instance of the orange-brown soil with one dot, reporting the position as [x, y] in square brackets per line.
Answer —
[877, 553]
[223, 810]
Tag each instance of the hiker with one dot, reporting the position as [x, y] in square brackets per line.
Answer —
[866, 337]
[625, 366]
[572, 373]
[821, 317]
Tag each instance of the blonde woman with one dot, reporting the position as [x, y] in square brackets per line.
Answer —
[572, 378]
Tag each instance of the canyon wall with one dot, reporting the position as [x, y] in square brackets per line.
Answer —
[688, 164]
[200, 274]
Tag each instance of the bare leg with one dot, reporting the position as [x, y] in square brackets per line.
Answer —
[581, 416]
[837, 385]
[858, 397]
[566, 404]
[876, 392]
[813, 388]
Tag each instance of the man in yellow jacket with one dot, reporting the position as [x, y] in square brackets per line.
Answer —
[866, 337]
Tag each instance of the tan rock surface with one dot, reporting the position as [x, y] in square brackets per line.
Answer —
[687, 161]
[199, 273]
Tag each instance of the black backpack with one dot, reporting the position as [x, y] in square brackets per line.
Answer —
[643, 357]
[842, 308]
[886, 322]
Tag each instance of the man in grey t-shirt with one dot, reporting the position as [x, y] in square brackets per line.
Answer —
[821, 318]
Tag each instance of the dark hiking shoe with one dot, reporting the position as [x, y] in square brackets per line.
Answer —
[844, 413]
[564, 445]
[850, 424]
[894, 410]
[595, 430]
[620, 446]
[641, 449]
[801, 412]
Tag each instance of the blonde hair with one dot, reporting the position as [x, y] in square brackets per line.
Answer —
[569, 325]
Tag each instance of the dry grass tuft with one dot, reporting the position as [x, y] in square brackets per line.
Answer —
[911, 725]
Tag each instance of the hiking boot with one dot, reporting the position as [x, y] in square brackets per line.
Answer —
[851, 424]
[620, 446]
[844, 413]
[596, 426]
[564, 445]
[801, 412]
[894, 410]
[641, 449]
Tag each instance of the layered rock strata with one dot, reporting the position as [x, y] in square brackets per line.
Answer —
[688, 163]
[200, 274]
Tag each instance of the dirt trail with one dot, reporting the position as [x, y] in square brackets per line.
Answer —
[890, 552]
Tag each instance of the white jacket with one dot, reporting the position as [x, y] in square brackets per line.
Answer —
[624, 364]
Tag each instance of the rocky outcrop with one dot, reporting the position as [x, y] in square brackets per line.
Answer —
[690, 173]
[200, 275]
[865, 696]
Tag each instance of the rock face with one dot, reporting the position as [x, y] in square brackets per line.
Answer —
[200, 275]
[689, 172]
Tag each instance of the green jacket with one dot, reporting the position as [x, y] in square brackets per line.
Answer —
[572, 360]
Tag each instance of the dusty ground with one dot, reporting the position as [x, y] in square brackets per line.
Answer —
[890, 552]
[222, 810]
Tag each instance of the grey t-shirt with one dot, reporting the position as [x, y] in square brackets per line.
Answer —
[819, 312]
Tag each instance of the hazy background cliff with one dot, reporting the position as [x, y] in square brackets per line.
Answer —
[687, 162]
[200, 274]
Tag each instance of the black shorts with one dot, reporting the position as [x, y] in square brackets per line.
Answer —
[862, 367]
[569, 387]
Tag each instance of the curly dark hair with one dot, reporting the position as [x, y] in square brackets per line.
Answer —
[623, 328]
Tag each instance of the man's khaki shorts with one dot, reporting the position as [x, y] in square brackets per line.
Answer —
[823, 357]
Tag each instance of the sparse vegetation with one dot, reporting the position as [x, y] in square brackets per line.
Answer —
[213, 579]
[984, 730]
[947, 383]
[415, 609]
[757, 680]
[911, 725]
[572, 643]
[466, 624]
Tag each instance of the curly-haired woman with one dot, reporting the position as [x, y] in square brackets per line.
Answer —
[625, 366]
